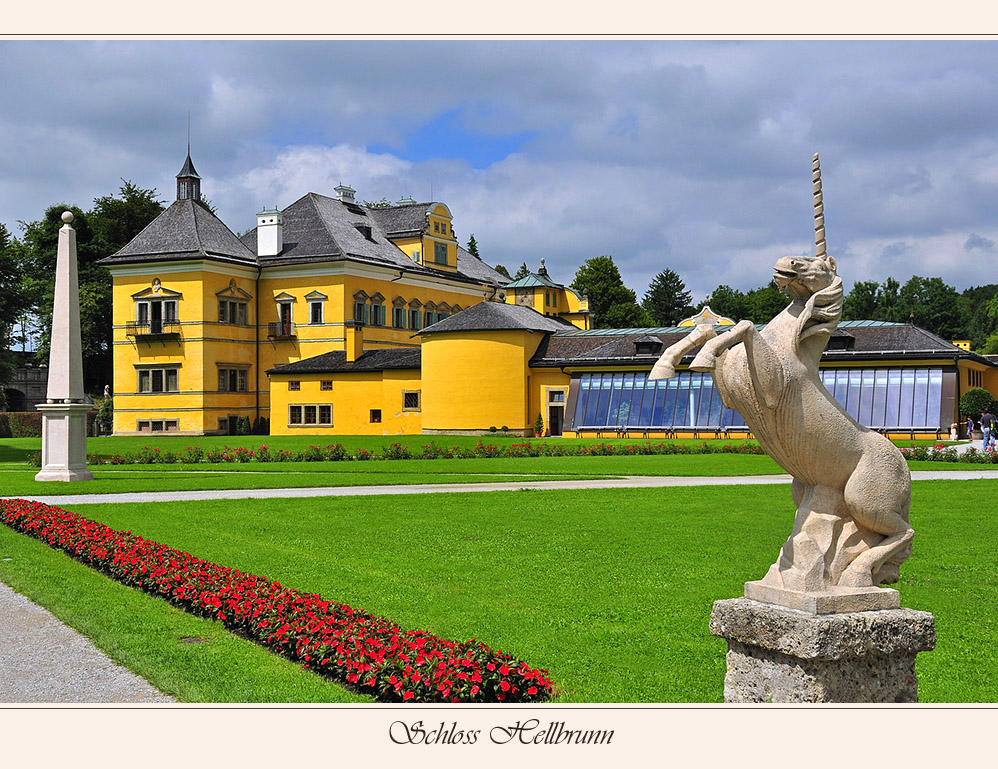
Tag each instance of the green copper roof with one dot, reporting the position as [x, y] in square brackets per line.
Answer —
[532, 281]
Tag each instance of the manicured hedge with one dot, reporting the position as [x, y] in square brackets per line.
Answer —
[372, 654]
[21, 424]
[337, 453]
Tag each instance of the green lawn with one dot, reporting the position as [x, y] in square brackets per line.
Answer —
[610, 590]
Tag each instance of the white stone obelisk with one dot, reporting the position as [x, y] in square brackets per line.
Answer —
[64, 415]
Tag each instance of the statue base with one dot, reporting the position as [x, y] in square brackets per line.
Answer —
[835, 600]
[777, 654]
[64, 442]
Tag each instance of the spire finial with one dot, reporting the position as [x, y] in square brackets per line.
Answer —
[819, 208]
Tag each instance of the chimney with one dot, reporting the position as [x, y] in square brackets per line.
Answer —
[354, 340]
[269, 232]
[345, 193]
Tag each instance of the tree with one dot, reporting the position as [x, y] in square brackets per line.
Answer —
[522, 272]
[888, 301]
[100, 232]
[501, 270]
[976, 401]
[727, 301]
[667, 301]
[979, 323]
[473, 245]
[13, 300]
[611, 303]
[934, 305]
[861, 302]
[764, 304]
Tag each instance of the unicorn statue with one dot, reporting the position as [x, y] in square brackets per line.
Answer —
[851, 485]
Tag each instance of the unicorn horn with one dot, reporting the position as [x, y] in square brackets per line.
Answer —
[819, 208]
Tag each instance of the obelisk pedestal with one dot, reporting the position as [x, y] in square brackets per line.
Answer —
[64, 415]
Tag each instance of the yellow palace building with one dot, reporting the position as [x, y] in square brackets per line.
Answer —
[336, 318]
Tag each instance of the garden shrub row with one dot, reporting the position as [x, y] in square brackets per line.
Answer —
[942, 453]
[372, 654]
[337, 453]
[20, 424]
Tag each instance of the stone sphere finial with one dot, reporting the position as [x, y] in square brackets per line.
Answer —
[67, 217]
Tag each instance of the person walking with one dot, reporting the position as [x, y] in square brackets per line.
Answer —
[970, 428]
[987, 429]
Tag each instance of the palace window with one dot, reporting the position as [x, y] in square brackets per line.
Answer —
[305, 415]
[414, 320]
[326, 384]
[232, 312]
[410, 400]
[157, 426]
[377, 315]
[158, 380]
[315, 312]
[440, 253]
[231, 380]
[294, 385]
[375, 416]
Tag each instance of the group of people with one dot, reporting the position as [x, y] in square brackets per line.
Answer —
[989, 428]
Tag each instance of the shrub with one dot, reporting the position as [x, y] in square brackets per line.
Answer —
[335, 640]
[243, 426]
[396, 451]
[25, 424]
[539, 426]
[975, 402]
[105, 414]
[5, 425]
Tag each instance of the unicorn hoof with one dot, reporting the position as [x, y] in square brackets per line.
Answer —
[704, 361]
[662, 371]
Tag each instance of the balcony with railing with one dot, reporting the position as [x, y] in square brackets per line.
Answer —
[280, 330]
[153, 328]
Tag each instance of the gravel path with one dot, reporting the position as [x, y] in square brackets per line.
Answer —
[43, 660]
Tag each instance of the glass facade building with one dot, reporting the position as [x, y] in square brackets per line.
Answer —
[902, 398]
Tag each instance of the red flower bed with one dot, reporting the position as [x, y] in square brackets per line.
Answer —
[370, 653]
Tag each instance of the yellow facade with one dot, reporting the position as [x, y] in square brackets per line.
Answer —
[361, 403]
[476, 380]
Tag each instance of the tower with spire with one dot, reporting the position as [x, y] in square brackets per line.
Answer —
[188, 181]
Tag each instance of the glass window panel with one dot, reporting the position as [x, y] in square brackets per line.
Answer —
[907, 396]
[716, 407]
[310, 415]
[241, 317]
[144, 382]
[594, 390]
[603, 401]
[679, 418]
[840, 391]
[919, 402]
[627, 395]
[855, 379]
[661, 412]
[294, 415]
[157, 380]
[878, 417]
[704, 399]
[647, 401]
[892, 417]
[866, 397]
[581, 400]
[614, 403]
[325, 415]
[171, 380]
[933, 417]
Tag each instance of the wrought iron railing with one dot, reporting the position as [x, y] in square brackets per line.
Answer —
[153, 328]
[280, 330]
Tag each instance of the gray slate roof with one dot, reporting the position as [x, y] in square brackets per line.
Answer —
[872, 341]
[185, 230]
[372, 360]
[321, 229]
[404, 221]
[497, 316]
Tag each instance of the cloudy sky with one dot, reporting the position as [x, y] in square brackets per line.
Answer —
[693, 155]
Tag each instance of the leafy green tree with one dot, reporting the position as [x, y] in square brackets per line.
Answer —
[473, 245]
[99, 233]
[979, 323]
[667, 301]
[611, 303]
[501, 270]
[727, 301]
[522, 272]
[934, 306]
[13, 299]
[764, 304]
[975, 402]
[889, 301]
[861, 302]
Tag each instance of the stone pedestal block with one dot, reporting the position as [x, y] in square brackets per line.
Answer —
[64, 442]
[777, 654]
